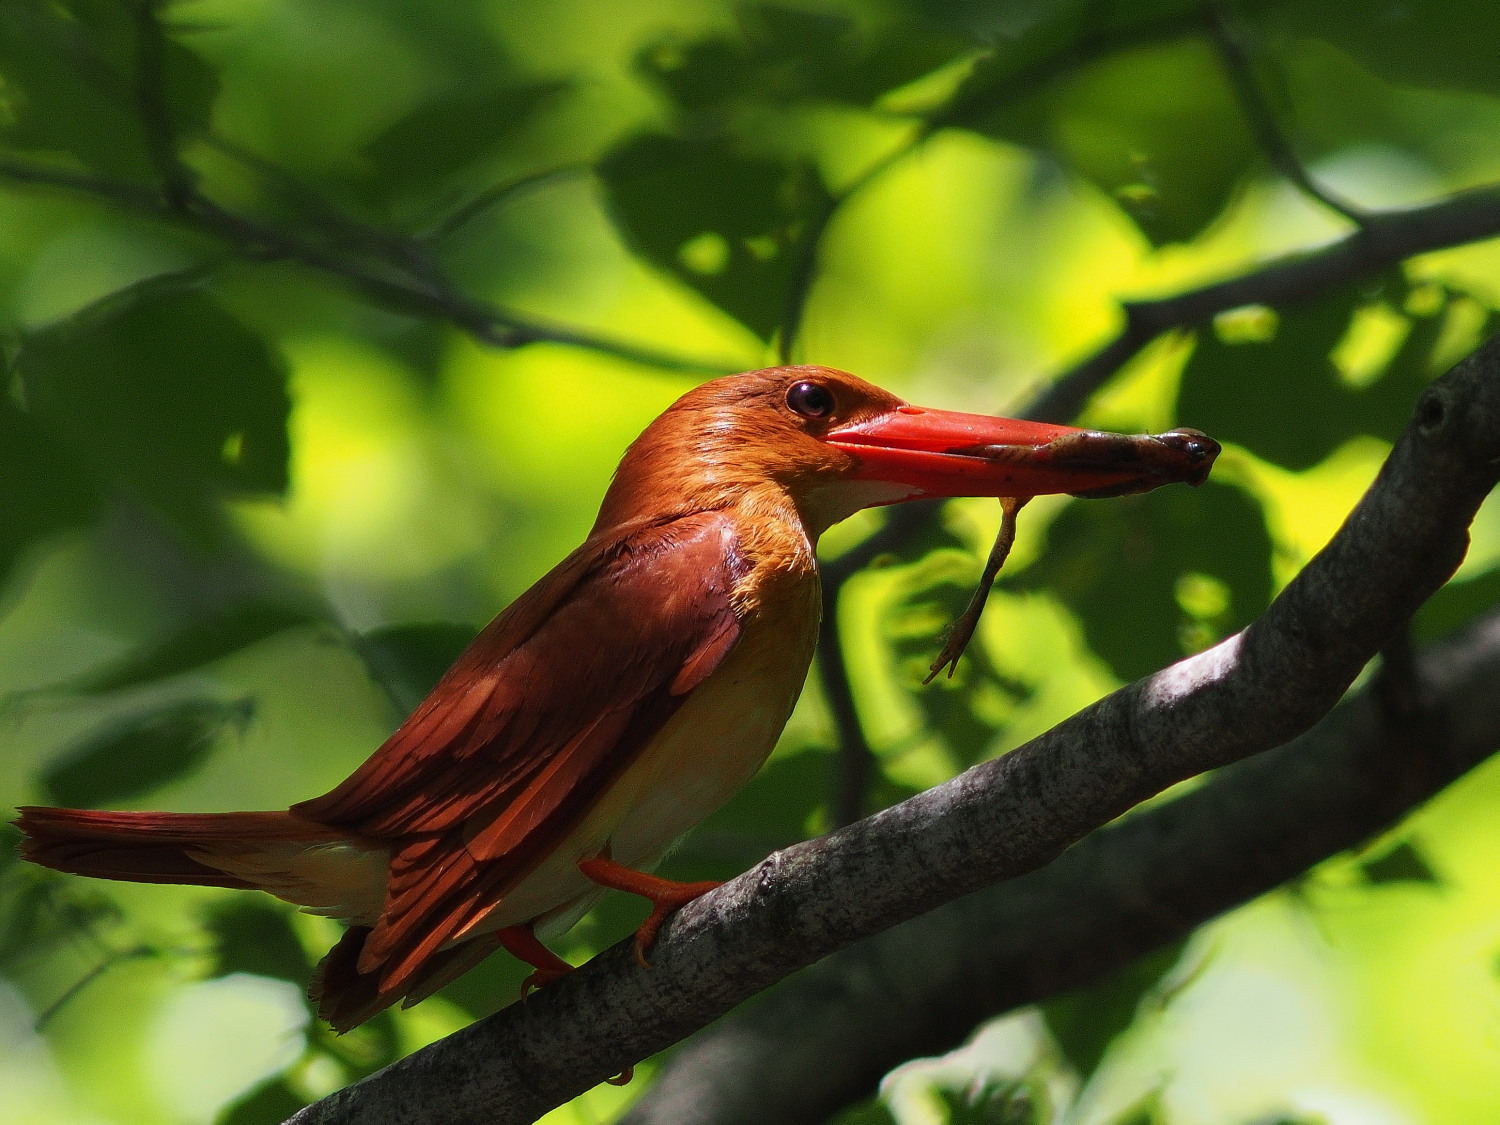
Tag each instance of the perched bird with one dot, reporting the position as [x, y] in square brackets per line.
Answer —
[616, 703]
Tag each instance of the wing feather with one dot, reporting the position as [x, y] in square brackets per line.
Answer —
[530, 727]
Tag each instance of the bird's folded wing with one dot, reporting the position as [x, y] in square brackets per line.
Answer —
[533, 723]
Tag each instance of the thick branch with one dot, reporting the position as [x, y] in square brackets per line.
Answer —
[824, 1039]
[1000, 819]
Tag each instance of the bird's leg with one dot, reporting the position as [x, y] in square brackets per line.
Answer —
[522, 944]
[665, 895]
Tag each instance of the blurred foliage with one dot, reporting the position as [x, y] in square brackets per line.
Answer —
[267, 463]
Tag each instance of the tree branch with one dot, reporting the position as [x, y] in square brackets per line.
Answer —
[998, 820]
[412, 290]
[1268, 134]
[1386, 239]
[824, 1039]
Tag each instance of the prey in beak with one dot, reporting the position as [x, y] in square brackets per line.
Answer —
[945, 453]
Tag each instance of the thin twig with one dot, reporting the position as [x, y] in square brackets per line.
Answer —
[256, 239]
[1387, 239]
[151, 104]
[855, 762]
[1241, 73]
[495, 196]
[51, 1011]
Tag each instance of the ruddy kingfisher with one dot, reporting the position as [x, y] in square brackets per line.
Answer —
[617, 702]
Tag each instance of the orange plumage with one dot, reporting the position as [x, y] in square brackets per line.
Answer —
[618, 701]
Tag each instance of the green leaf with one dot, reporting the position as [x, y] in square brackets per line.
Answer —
[1158, 129]
[1279, 393]
[164, 393]
[730, 225]
[1121, 565]
[1086, 1022]
[42, 490]
[268, 1104]
[1004, 1102]
[872, 1112]
[1431, 43]
[140, 753]
[782, 56]
[1456, 604]
[71, 72]
[252, 934]
[773, 811]
[970, 708]
[409, 660]
[1403, 863]
[450, 134]
[198, 644]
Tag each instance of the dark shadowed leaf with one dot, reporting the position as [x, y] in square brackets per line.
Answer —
[132, 756]
[166, 394]
[269, 1104]
[1128, 568]
[1402, 864]
[1456, 604]
[1157, 129]
[772, 812]
[452, 133]
[728, 224]
[1283, 397]
[70, 72]
[1433, 43]
[196, 645]
[41, 488]
[781, 56]
[253, 934]
[1086, 1022]
[408, 660]
[872, 1112]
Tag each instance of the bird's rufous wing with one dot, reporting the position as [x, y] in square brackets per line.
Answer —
[536, 719]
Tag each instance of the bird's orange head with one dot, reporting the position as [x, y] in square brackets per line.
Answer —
[830, 443]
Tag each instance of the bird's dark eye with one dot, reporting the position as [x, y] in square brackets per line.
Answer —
[811, 400]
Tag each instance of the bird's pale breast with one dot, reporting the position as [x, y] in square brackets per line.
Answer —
[704, 754]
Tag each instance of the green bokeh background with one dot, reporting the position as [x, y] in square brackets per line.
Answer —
[246, 513]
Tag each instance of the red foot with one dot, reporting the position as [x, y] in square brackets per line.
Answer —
[524, 945]
[665, 895]
[623, 1078]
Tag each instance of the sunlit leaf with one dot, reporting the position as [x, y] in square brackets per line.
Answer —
[728, 224]
[1158, 130]
[164, 393]
[1283, 398]
[134, 755]
[1119, 565]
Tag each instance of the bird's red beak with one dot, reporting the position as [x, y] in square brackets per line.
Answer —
[944, 453]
